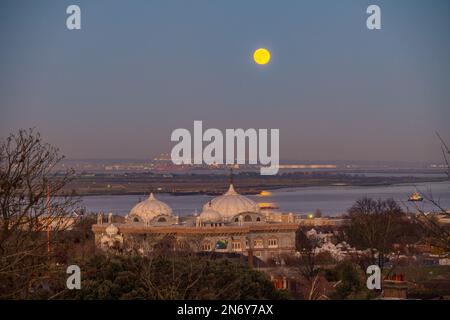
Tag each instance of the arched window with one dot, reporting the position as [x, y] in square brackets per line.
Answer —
[236, 219]
[258, 219]
[247, 218]
[272, 243]
[236, 246]
[135, 219]
[162, 219]
[206, 246]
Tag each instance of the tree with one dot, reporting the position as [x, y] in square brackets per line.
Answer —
[348, 282]
[437, 233]
[32, 211]
[305, 245]
[318, 213]
[167, 277]
[78, 242]
[306, 264]
[445, 154]
[376, 225]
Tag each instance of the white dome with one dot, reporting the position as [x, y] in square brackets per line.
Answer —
[149, 209]
[210, 215]
[111, 230]
[232, 203]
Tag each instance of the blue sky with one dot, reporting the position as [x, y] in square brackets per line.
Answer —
[140, 69]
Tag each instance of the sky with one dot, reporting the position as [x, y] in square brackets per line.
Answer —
[137, 70]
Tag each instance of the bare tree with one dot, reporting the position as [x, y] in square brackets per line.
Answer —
[33, 211]
[182, 270]
[445, 153]
[376, 226]
[437, 233]
[306, 265]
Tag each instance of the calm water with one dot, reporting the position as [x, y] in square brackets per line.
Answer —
[330, 200]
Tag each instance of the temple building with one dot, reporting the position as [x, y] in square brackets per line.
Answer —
[230, 223]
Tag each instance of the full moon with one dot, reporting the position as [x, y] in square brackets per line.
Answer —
[261, 56]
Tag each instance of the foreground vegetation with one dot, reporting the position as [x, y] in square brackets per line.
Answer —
[37, 245]
[176, 276]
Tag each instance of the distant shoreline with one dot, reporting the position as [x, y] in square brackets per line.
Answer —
[187, 185]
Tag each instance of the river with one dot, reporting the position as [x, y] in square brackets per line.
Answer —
[331, 200]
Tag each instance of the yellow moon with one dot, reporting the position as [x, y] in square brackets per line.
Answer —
[261, 56]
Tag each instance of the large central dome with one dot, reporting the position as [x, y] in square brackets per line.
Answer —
[231, 203]
[148, 209]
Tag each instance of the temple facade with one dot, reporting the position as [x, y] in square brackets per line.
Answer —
[230, 223]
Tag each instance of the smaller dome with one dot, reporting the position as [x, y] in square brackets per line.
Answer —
[150, 208]
[111, 230]
[210, 215]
